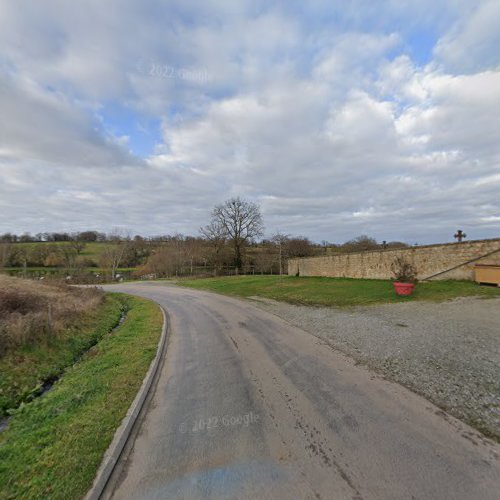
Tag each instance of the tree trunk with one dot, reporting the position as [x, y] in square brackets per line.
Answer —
[238, 261]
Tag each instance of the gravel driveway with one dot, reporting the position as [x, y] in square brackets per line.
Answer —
[448, 352]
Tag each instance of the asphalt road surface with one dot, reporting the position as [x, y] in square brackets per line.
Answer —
[248, 406]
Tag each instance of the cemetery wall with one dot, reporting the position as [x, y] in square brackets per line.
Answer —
[428, 260]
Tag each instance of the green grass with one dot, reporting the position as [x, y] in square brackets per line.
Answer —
[25, 368]
[53, 446]
[335, 291]
[92, 249]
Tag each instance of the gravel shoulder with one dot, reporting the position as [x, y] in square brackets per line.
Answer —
[448, 352]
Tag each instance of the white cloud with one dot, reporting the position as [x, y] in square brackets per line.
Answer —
[472, 44]
[319, 112]
[40, 124]
[459, 114]
[351, 54]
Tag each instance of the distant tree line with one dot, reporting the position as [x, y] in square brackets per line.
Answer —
[83, 236]
[178, 254]
[230, 243]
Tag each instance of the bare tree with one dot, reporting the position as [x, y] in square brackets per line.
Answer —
[241, 221]
[299, 246]
[281, 240]
[77, 243]
[360, 244]
[68, 255]
[114, 253]
[162, 262]
[216, 235]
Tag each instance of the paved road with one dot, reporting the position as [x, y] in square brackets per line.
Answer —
[248, 406]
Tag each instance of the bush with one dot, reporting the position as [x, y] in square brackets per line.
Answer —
[404, 271]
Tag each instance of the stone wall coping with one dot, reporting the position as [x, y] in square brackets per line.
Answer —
[403, 249]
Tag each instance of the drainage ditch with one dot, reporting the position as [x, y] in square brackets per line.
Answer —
[47, 384]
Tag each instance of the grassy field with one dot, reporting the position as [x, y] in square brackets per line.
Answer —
[335, 291]
[92, 249]
[53, 445]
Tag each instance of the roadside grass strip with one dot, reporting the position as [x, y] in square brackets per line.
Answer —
[335, 291]
[25, 369]
[54, 445]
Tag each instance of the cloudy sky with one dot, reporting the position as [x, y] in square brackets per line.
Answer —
[338, 117]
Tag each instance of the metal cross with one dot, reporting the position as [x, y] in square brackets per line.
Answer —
[460, 235]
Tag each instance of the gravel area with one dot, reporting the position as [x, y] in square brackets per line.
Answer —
[448, 352]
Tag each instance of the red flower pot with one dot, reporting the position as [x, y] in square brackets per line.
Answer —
[403, 288]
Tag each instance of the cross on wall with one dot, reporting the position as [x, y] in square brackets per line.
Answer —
[460, 235]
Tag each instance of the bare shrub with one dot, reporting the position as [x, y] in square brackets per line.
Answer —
[32, 312]
[403, 270]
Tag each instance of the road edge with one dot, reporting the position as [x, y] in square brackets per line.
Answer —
[124, 431]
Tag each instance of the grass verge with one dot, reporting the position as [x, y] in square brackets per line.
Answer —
[53, 446]
[25, 368]
[335, 291]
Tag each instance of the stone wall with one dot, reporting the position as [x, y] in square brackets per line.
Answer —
[428, 260]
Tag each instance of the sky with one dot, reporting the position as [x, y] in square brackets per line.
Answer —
[339, 118]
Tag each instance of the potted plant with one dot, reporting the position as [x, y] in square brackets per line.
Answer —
[405, 276]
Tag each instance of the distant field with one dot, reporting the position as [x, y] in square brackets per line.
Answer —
[91, 250]
[335, 291]
[47, 259]
[15, 270]
[94, 249]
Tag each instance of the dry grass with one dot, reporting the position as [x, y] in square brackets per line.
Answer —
[32, 311]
